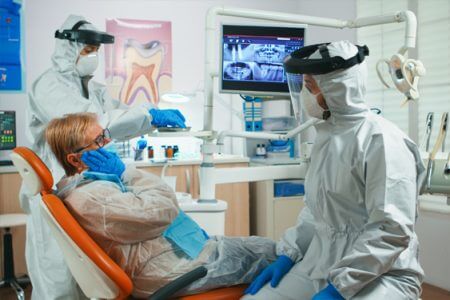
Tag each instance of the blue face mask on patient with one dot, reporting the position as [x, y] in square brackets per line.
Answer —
[187, 235]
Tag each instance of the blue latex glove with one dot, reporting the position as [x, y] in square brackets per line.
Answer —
[141, 143]
[167, 117]
[328, 293]
[273, 273]
[103, 161]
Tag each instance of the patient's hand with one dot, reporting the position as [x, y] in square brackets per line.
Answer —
[103, 161]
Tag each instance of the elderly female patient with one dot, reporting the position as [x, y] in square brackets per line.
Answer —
[135, 217]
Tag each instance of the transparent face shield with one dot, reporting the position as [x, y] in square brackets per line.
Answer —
[295, 83]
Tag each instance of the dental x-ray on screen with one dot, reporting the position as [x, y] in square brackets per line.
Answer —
[252, 58]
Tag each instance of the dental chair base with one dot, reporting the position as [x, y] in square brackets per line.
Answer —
[9, 277]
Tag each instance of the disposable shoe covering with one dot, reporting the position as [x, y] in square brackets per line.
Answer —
[59, 91]
[357, 229]
[129, 227]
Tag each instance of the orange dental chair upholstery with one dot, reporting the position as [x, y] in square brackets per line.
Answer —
[95, 272]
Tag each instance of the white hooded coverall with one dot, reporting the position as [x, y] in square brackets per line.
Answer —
[56, 92]
[361, 189]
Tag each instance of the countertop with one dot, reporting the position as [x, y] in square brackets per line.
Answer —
[218, 159]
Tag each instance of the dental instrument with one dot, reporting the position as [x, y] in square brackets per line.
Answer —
[445, 133]
[429, 128]
[432, 156]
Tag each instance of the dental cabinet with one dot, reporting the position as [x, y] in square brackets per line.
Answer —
[271, 215]
[236, 195]
[9, 203]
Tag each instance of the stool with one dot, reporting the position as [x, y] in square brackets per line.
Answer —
[9, 279]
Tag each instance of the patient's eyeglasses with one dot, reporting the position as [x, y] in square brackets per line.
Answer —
[100, 140]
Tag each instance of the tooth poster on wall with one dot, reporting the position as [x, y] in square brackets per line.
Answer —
[139, 63]
[10, 46]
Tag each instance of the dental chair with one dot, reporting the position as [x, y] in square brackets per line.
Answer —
[98, 276]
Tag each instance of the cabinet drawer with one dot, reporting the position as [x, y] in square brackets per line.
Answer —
[285, 212]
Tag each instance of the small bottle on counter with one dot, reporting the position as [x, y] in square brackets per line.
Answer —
[263, 150]
[258, 150]
[169, 152]
[151, 152]
[175, 151]
[163, 151]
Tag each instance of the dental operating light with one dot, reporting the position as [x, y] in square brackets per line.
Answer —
[405, 74]
[174, 98]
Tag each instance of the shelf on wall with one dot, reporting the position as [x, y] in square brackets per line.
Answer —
[198, 134]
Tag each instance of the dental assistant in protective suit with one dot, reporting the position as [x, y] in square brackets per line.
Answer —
[67, 88]
[355, 237]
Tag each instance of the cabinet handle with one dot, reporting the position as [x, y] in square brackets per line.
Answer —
[188, 181]
[198, 182]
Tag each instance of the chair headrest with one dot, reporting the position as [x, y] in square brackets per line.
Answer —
[35, 174]
[56, 212]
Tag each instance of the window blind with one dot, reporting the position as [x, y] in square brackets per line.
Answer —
[433, 47]
[434, 52]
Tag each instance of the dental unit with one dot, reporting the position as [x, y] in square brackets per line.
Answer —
[209, 175]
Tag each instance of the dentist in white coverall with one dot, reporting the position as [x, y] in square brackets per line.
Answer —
[355, 237]
[67, 88]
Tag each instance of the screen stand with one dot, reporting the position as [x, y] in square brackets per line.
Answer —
[5, 159]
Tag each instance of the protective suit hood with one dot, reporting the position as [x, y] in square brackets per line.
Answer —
[66, 52]
[344, 90]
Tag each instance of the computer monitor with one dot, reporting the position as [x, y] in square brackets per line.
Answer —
[252, 58]
[7, 130]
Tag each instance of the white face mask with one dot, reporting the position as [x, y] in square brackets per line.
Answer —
[87, 64]
[310, 104]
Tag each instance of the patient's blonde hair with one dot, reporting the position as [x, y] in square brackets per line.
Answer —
[67, 134]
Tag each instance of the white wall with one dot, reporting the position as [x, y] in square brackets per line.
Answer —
[433, 230]
[342, 9]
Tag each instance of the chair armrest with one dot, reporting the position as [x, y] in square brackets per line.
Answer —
[181, 282]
